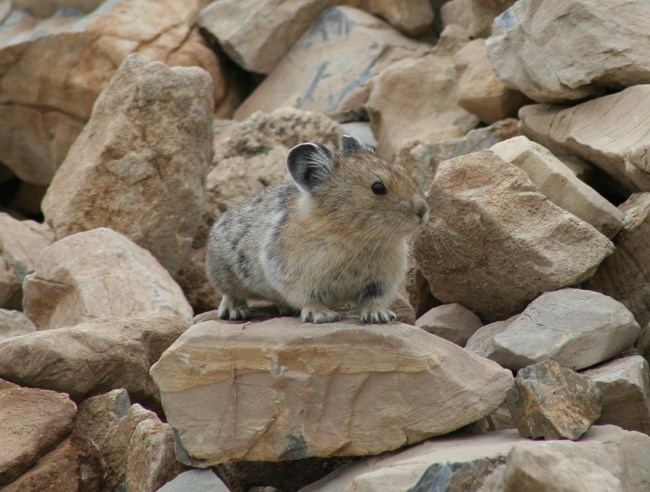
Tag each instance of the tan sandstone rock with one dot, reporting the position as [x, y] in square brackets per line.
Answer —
[483, 13]
[480, 91]
[553, 402]
[265, 391]
[139, 165]
[96, 274]
[560, 50]
[53, 67]
[472, 462]
[14, 323]
[490, 219]
[327, 69]
[92, 357]
[625, 275]
[415, 99]
[452, 322]
[456, 12]
[21, 241]
[625, 384]
[34, 421]
[560, 185]
[258, 46]
[605, 131]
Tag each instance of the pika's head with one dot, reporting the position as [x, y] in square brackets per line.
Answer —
[356, 189]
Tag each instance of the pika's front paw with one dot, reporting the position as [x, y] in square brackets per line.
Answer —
[377, 316]
[311, 315]
[228, 309]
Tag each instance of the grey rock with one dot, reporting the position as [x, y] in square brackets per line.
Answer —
[14, 323]
[195, 481]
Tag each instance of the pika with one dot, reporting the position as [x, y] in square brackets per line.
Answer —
[337, 235]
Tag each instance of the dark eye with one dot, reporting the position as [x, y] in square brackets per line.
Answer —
[378, 188]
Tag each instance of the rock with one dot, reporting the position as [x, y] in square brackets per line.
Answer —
[34, 421]
[625, 275]
[398, 117]
[553, 402]
[259, 46]
[560, 185]
[151, 459]
[419, 291]
[196, 481]
[625, 386]
[139, 165]
[469, 462]
[21, 241]
[54, 65]
[248, 157]
[95, 274]
[362, 131]
[291, 369]
[457, 12]
[98, 414]
[577, 328]
[452, 322]
[482, 341]
[483, 13]
[92, 357]
[559, 51]
[71, 466]
[315, 76]
[579, 130]
[423, 158]
[14, 323]
[480, 91]
[489, 210]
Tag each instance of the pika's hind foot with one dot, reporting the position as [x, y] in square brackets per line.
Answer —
[379, 316]
[318, 314]
[233, 309]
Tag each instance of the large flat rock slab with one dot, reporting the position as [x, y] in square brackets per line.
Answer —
[281, 390]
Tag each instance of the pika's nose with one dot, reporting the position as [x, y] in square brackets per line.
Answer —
[422, 210]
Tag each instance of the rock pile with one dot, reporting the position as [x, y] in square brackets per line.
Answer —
[520, 359]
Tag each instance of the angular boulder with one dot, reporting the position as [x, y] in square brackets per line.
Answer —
[139, 165]
[92, 357]
[577, 328]
[14, 323]
[561, 185]
[327, 69]
[452, 322]
[95, 274]
[560, 50]
[487, 219]
[21, 241]
[625, 384]
[581, 130]
[56, 57]
[278, 403]
[553, 402]
[196, 480]
[625, 275]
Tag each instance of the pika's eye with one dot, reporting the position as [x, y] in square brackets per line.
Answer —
[378, 188]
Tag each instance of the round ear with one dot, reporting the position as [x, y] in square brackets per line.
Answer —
[350, 146]
[310, 166]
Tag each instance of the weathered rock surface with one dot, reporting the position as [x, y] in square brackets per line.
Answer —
[625, 275]
[604, 131]
[625, 385]
[452, 322]
[456, 12]
[490, 219]
[21, 241]
[34, 421]
[259, 47]
[553, 402]
[54, 64]
[480, 91]
[470, 462]
[92, 357]
[96, 274]
[277, 406]
[196, 481]
[483, 13]
[577, 328]
[422, 158]
[139, 165]
[314, 76]
[560, 50]
[14, 323]
[482, 341]
[560, 185]
[96, 415]
[398, 118]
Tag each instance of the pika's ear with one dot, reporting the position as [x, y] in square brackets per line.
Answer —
[350, 146]
[310, 166]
